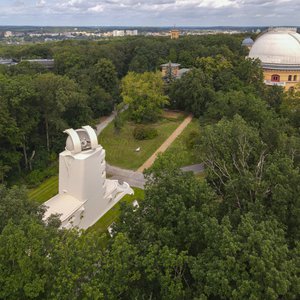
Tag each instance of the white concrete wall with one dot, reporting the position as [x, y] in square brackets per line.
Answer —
[81, 176]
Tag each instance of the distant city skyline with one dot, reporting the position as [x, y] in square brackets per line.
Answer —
[150, 12]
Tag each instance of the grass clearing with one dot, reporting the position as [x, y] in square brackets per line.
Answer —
[44, 191]
[113, 214]
[187, 156]
[120, 147]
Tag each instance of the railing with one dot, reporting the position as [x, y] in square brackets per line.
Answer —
[269, 82]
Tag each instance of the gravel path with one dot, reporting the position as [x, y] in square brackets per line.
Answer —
[148, 163]
[136, 178]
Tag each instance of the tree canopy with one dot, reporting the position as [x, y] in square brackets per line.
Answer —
[143, 93]
[230, 234]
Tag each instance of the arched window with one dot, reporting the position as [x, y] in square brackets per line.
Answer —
[275, 78]
[290, 77]
[295, 77]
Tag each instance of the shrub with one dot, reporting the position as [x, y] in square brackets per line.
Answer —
[36, 177]
[144, 132]
[191, 140]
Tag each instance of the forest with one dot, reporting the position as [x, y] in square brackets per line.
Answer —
[233, 235]
[38, 104]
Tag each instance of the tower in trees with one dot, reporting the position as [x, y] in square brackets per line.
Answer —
[174, 34]
[85, 194]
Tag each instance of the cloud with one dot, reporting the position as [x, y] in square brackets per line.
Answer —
[152, 12]
[40, 3]
[208, 3]
[18, 3]
[98, 8]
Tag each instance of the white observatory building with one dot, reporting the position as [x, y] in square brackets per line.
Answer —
[85, 194]
[278, 49]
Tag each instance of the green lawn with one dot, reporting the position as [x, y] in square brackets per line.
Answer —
[187, 156]
[112, 215]
[45, 191]
[120, 147]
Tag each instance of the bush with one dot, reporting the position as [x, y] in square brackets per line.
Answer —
[144, 133]
[191, 140]
[36, 177]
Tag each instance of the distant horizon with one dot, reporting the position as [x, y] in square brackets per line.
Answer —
[157, 26]
[150, 13]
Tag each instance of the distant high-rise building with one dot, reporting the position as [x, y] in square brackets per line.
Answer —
[118, 33]
[131, 32]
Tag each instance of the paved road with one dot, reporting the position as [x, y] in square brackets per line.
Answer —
[134, 178]
[196, 169]
[147, 164]
[137, 179]
[102, 125]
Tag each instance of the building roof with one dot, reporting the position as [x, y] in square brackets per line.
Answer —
[279, 46]
[183, 71]
[40, 60]
[63, 204]
[281, 67]
[7, 62]
[247, 42]
[170, 64]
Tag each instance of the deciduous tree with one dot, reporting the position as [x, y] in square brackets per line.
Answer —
[144, 95]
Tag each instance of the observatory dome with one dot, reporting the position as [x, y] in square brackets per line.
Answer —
[279, 46]
[248, 42]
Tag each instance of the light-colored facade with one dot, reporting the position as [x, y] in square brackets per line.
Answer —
[85, 194]
[174, 34]
[172, 70]
[8, 34]
[279, 52]
[47, 63]
[285, 78]
[131, 32]
[128, 32]
[118, 33]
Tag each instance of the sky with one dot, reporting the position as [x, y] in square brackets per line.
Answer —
[150, 12]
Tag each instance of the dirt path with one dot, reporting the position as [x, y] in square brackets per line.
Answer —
[148, 163]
